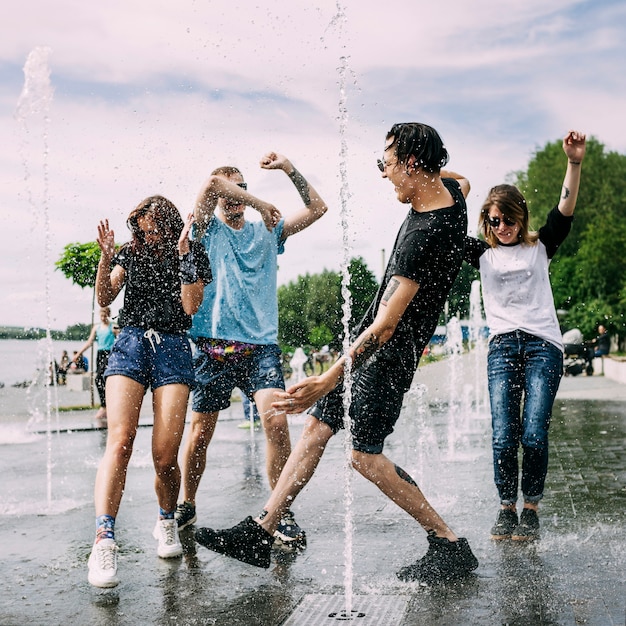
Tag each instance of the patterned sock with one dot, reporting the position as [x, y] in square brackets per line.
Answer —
[105, 527]
[166, 514]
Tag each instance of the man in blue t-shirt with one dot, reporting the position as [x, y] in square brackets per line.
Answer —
[235, 331]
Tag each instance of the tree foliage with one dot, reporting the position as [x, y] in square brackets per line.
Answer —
[588, 273]
[79, 263]
[310, 308]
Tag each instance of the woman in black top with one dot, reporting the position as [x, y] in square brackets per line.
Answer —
[164, 276]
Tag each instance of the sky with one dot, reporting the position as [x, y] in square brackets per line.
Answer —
[126, 99]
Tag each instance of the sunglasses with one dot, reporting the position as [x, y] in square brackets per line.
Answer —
[494, 222]
[242, 185]
[381, 165]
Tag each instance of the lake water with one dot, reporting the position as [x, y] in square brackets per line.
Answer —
[20, 360]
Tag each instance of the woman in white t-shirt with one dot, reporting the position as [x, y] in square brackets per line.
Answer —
[525, 361]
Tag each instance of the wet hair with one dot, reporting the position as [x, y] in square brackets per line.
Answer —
[512, 204]
[421, 141]
[226, 170]
[165, 215]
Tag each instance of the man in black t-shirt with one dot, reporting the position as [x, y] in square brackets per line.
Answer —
[426, 258]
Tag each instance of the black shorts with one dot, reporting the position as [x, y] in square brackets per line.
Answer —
[377, 394]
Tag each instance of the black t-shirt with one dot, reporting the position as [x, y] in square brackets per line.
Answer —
[152, 298]
[428, 250]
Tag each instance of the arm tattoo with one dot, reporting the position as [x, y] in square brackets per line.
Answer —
[390, 290]
[565, 192]
[363, 350]
[301, 185]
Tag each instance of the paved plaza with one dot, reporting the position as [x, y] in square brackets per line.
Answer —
[573, 575]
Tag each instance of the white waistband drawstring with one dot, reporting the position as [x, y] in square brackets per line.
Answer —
[151, 334]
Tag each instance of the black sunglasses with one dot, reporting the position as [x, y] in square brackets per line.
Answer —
[243, 185]
[494, 222]
[381, 165]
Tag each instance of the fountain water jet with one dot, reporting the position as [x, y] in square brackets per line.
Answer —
[34, 103]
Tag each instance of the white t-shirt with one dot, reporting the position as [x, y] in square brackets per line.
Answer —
[516, 292]
[515, 281]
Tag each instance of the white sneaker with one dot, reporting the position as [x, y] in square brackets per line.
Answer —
[166, 533]
[103, 564]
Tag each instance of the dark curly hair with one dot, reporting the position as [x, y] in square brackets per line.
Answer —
[166, 217]
[421, 141]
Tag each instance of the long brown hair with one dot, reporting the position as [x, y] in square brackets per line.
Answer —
[512, 204]
[166, 217]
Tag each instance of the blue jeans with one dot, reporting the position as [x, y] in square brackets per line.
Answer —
[519, 364]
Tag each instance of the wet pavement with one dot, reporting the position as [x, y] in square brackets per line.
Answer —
[573, 575]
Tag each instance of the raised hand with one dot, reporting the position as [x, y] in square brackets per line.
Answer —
[275, 161]
[106, 240]
[183, 241]
[574, 146]
[270, 215]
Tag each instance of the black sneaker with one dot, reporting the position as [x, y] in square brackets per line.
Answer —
[185, 515]
[445, 560]
[528, 527]
[505, 524]
[247, 541]
[289, 536]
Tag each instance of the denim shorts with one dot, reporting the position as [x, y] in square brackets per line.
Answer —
[216, 378]
[151, 358]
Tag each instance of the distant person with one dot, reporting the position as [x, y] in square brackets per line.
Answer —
[525, 359]
[64, 364]
[235, 332]
[164, 276]
[602, 342]
[104, 334]
[79, 364]
[424, 263]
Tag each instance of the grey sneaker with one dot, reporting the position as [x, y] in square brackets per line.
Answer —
[103, 564]
[505, 524]
[289, 536]
[528, 527]
[185, 515]
[445, 560]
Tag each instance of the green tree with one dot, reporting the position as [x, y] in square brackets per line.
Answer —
[79, 263]
[310, 308]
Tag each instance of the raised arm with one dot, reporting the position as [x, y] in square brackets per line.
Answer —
[217, 187]
[108, 283]
[89, 342]
[192, 286]
[463, 182]
[314, 206]
[393, 304]
[574, 147]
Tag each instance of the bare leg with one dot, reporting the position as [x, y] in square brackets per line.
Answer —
[194, 452]
[297, 472]
[124, 403]
[170, 407]
[276, 433]
[378, 469]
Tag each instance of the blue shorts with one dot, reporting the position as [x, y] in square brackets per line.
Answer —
[151, 358]
[377, 396]
[216, 378]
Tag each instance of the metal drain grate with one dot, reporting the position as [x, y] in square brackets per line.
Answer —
[329, 610]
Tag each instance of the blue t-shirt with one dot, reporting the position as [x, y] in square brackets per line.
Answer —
[105, 337]
[240, 304]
